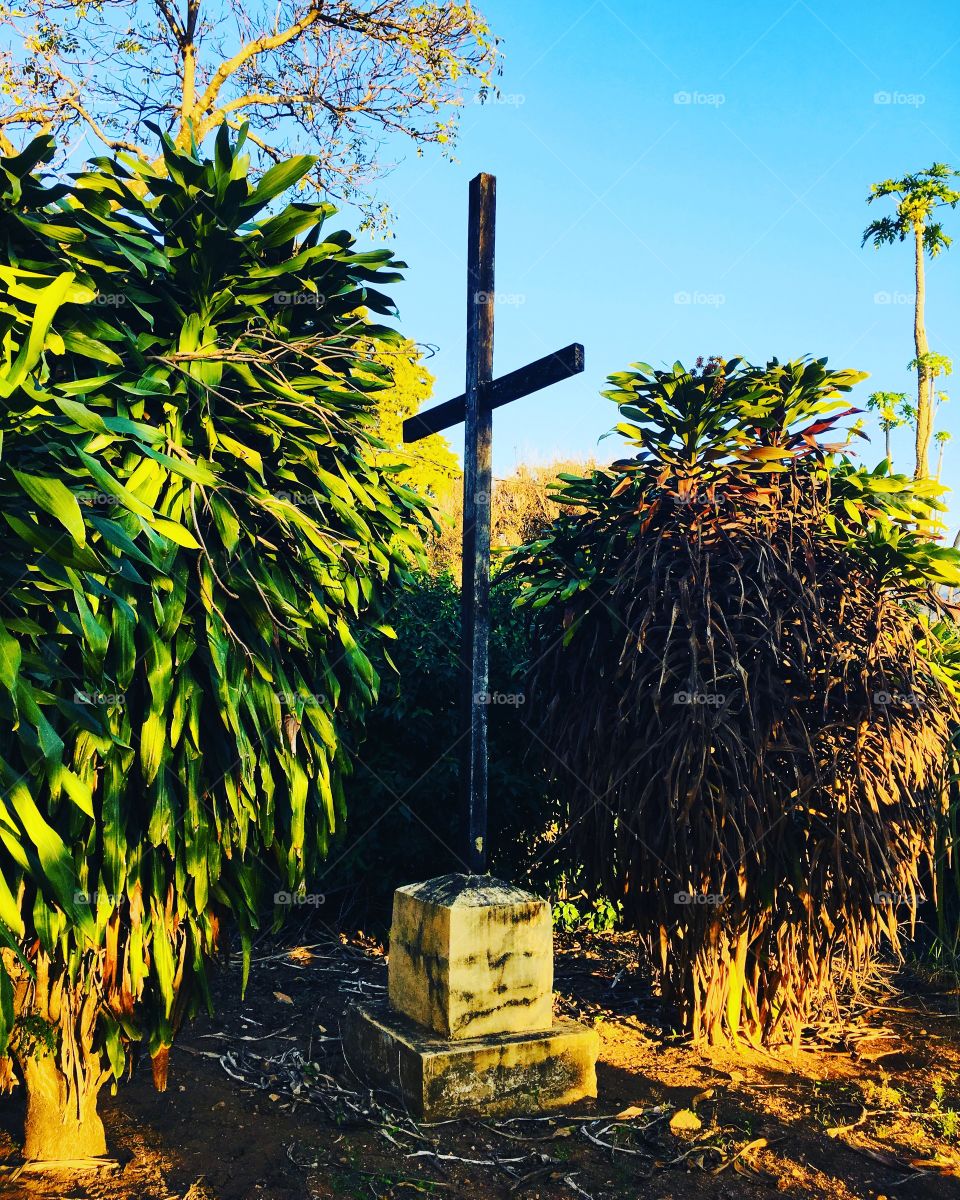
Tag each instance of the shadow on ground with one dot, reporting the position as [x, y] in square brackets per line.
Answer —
[261, 1105]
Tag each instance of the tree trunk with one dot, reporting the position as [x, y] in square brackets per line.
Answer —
[62, 1119]
[189, 96]
[62, 1072]
[924, 398]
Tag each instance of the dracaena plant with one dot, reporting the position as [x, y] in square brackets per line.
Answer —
[195, 553]
[738, 687]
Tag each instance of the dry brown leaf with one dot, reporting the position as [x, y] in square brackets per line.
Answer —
[735, 1162]
[282, 997]
[947, 1162]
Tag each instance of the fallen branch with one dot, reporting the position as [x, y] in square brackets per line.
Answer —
[62, 1164]
[330, 1164]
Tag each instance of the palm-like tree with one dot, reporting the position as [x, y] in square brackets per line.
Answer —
[941, 438]
[893, 411]
[185, 630]
[917, 198]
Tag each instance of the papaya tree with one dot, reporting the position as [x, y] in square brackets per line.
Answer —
[737, 673]
[918, 199]
[195, 556]
[893, 409]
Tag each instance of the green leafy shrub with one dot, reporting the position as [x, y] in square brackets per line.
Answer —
[405, 820]
[597, 916]
[738, 668]
[195, 545]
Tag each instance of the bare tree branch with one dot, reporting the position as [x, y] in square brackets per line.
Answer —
[349, 80]
[252, 49]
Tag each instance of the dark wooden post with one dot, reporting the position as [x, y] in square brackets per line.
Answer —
[475, 408]
[477, 484]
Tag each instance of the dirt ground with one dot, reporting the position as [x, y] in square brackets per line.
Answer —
[261, 1105]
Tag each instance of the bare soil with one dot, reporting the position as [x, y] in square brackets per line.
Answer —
[261, 1105]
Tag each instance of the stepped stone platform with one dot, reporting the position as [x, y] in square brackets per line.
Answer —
[439, 1078]
[468, 1026]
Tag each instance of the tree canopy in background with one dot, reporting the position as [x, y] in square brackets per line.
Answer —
[523, 504]
[336, 78]
[430, 466]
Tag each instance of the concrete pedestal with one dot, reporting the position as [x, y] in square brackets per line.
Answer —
[470, 955]
[439, 1078]
[469, 1029]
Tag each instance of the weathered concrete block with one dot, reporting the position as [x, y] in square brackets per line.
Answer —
[471, 956]
[439, 1078]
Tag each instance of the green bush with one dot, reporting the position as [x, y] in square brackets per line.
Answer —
[739, 666]
[195, 544]
[404, 817]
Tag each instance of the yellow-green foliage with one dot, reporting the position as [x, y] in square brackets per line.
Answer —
[430, 466]
[523, 504]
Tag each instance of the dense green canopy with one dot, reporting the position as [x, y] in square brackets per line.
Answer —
[193, 555]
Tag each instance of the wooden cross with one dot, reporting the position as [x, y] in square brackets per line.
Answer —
[475, 409]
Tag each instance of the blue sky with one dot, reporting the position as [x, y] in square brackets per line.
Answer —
[676, 180]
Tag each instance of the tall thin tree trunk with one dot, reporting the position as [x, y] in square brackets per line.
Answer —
[924, 399]
[886, 436]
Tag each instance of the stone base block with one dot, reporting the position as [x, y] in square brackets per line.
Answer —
[471, 956]
[501, 1074]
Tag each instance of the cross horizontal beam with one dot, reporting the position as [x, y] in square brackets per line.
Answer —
[536, 375]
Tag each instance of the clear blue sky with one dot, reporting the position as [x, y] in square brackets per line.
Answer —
[616, 201]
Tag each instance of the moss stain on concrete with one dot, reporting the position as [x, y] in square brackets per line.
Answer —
[470, 955]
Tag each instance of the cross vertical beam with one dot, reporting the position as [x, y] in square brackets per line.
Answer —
[477, 484]
[475, 408]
